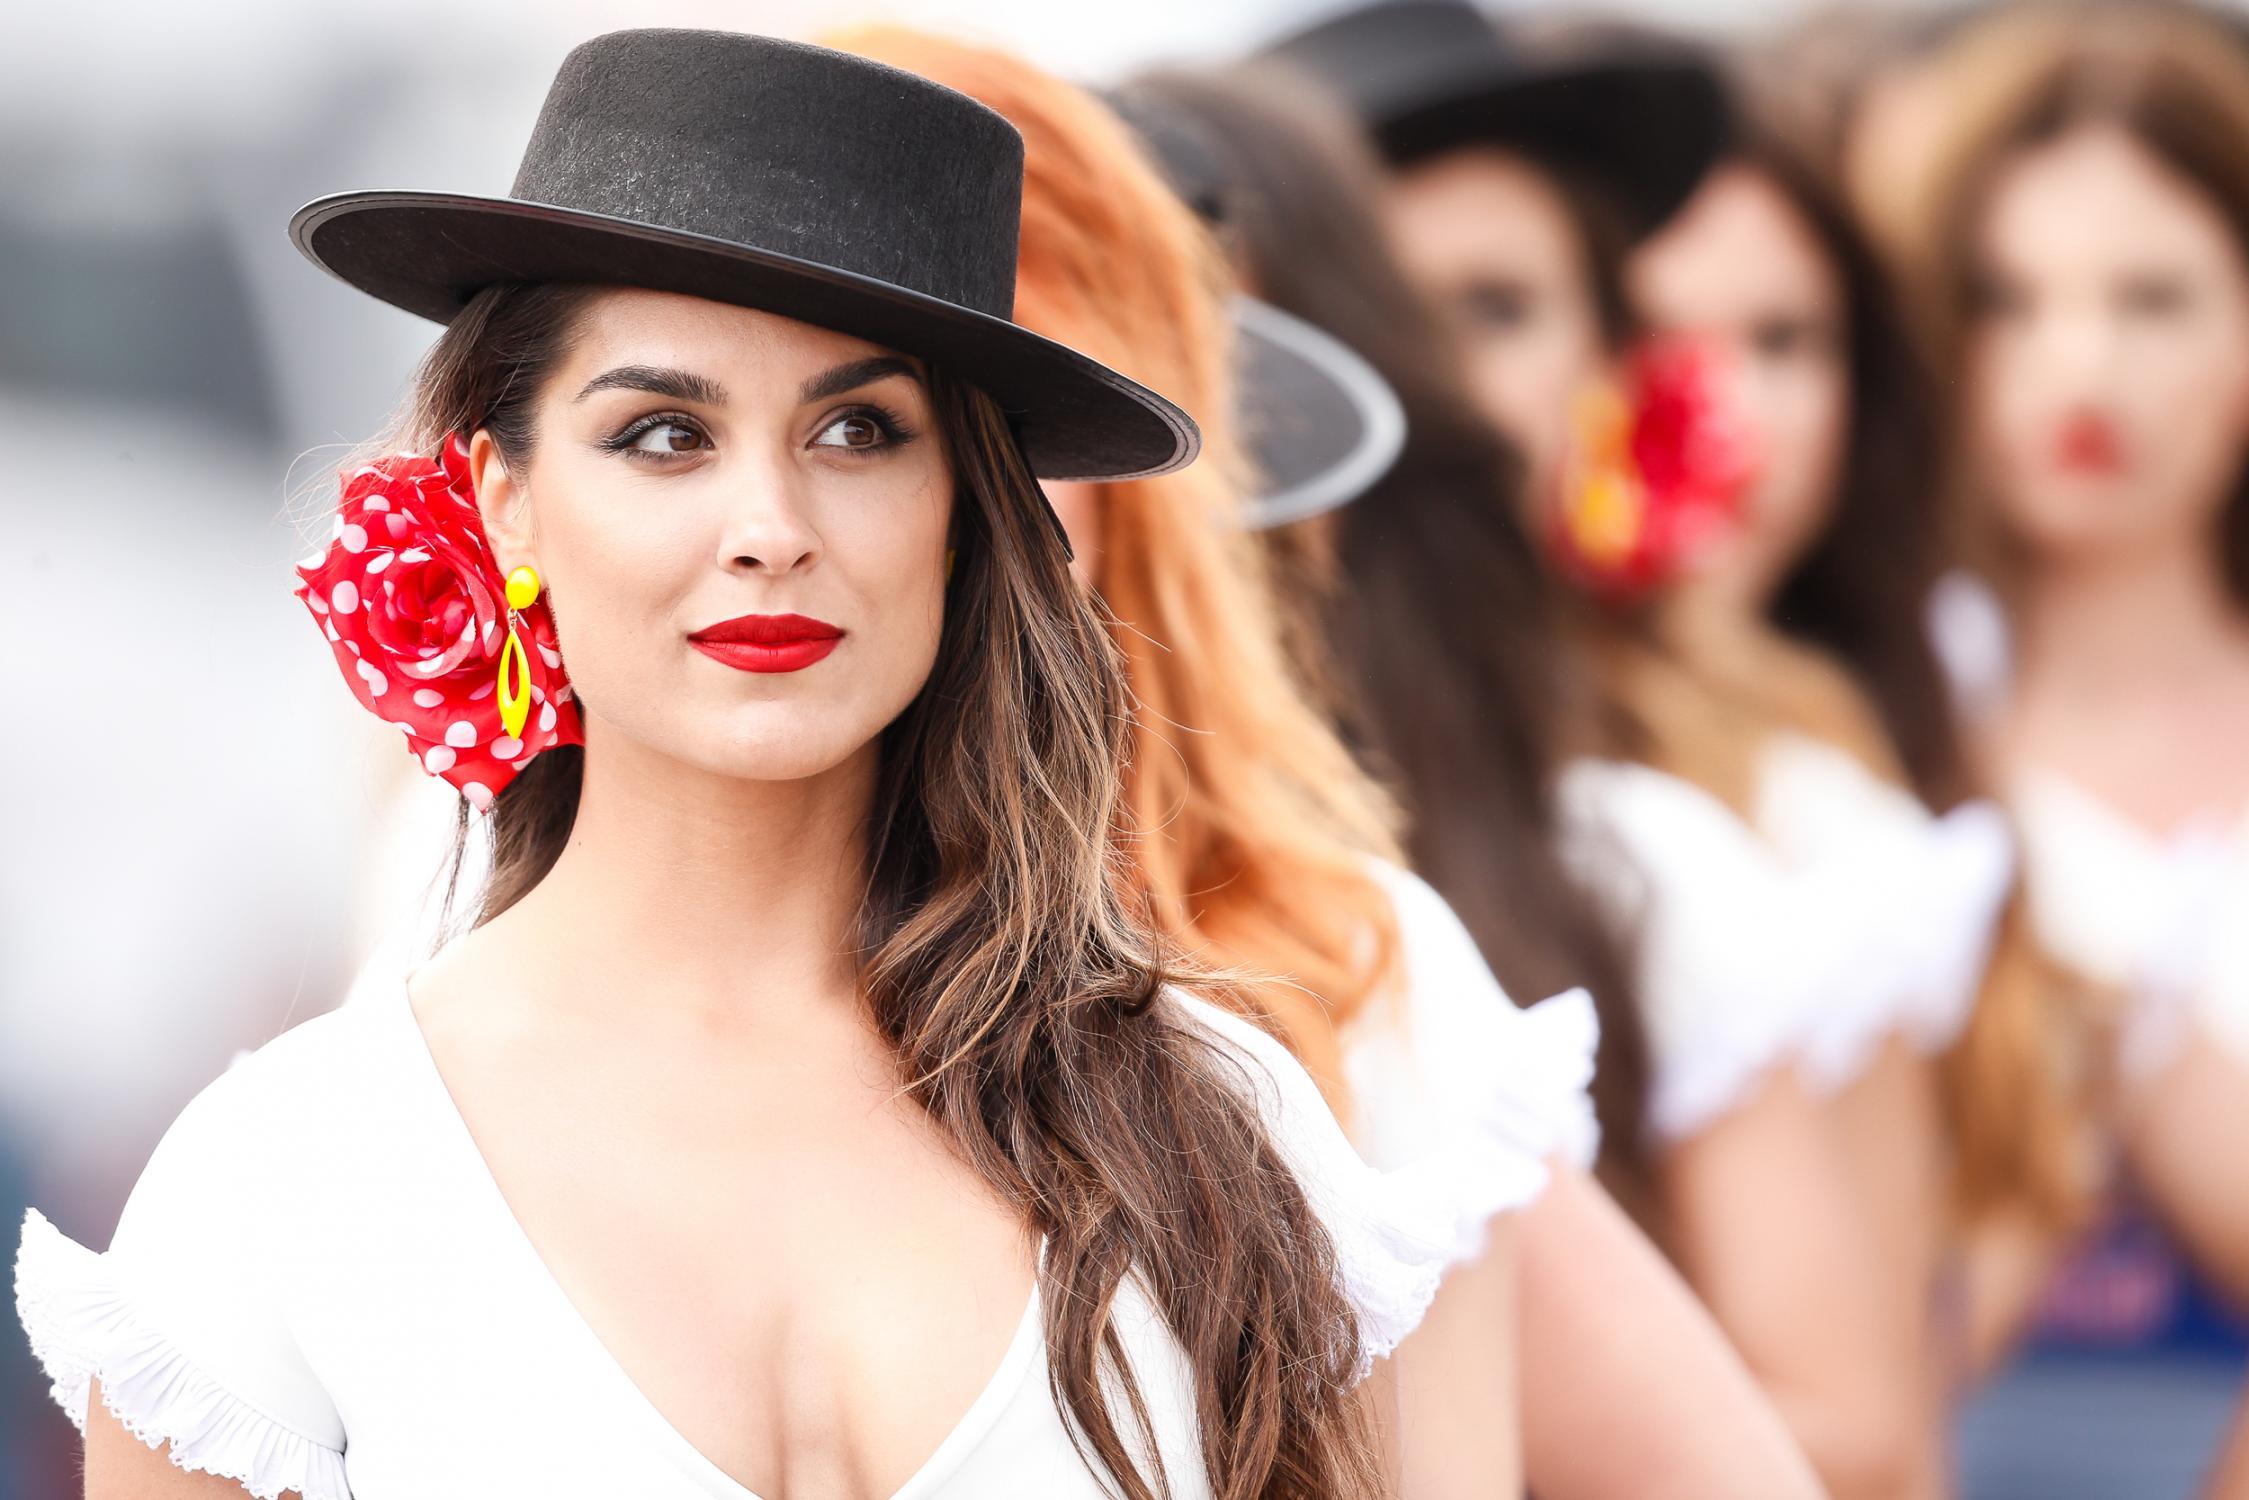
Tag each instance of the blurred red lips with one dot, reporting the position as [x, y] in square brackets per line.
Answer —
[2089, 446]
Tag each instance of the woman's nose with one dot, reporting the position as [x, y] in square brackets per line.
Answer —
[768, 527]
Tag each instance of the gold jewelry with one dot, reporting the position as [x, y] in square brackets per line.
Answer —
[515, 697]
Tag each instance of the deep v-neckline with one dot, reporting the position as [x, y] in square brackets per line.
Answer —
[1026, 1348]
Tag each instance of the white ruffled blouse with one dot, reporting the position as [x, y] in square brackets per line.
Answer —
[1844, 914]
[317, 1286]
[2161, 920]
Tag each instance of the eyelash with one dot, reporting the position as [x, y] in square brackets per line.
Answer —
[893, 427]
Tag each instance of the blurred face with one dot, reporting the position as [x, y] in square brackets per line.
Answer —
[699, 465]
[1489, 238]
[2110, 357]
[1742, 269]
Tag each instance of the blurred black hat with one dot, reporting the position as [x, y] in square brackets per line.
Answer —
[1643, 115]
[1320, 424]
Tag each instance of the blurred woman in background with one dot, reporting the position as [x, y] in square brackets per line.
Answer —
[1261, 844]
[1835, 553]
[1467, 694]
[2088, 273]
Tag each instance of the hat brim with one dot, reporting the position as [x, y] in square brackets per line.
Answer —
[429, 253]
[1648, 129]
[1321, 425]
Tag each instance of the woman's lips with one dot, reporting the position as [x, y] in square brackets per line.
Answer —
[768, 643]
[2089, 446]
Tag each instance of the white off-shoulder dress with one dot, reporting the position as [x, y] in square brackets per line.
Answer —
[1840, 914]
[317, 1286]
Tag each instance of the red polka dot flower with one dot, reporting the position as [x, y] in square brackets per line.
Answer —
[429, 636]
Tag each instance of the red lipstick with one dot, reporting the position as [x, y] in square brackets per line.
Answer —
[768, 643]
[2089, 445]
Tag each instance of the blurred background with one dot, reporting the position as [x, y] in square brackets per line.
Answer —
[194, 844]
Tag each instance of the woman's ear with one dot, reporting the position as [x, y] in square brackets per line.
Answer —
[499, 500]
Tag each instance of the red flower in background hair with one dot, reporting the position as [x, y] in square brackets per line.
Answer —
[412, 602]
[1658, 470]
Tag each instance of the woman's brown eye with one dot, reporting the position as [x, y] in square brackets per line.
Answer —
[855, 431]
[670, 437]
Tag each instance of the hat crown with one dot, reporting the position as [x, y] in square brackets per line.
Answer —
[792, 149]
[1396, 55]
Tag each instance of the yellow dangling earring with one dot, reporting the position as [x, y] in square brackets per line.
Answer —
[515, 697]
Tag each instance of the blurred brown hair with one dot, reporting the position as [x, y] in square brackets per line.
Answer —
[1858, 590]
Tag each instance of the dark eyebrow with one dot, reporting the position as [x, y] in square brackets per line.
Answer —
[680, 385]
[851, 376]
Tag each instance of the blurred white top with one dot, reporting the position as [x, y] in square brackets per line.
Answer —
[318, 1235]
[1845, 915]
[2161, 919]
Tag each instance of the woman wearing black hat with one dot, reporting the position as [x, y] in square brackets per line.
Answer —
[803, 1113]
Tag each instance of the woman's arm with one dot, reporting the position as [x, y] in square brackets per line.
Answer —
[1456, 1383]
[2185, 1131]
[1773, 1236]
[119, 1466]
[1630, 1392]
[1890, 1126]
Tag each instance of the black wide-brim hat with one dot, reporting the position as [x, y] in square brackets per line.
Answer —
[793, 179]
[1643, 116]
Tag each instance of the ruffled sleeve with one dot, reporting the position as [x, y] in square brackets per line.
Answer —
[1729, 972]
[1912, 900]
[183, 1318]
[1450, 1065]
[1395, 1233]
[1847, 914]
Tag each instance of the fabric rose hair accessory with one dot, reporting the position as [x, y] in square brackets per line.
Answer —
[1659, 470]
[412, 602]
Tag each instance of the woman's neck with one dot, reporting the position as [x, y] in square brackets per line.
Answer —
[712, 893]
[2130, 622]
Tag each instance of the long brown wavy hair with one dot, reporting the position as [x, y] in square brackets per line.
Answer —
[1254, 824]
[1438, 624]
[1001, 959]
